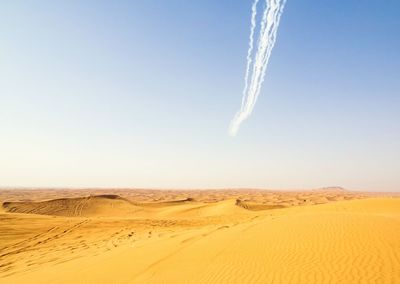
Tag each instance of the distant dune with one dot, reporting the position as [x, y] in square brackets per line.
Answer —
[248, 236]
[101, 205]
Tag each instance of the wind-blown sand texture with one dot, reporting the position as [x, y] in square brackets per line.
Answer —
[213, 236]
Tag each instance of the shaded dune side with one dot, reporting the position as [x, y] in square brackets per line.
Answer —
[91, 206]
[164, 203]
[257, 206]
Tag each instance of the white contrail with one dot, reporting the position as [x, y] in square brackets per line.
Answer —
[256, 71]
[250, 50]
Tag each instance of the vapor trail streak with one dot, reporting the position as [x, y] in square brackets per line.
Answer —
[256, 70]
[250, 50]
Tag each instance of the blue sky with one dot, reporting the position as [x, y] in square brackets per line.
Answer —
[141, 94]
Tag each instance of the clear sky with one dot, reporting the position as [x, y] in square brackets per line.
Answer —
[141, 94]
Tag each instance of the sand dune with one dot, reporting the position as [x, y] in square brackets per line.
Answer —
[327, 236]
[114, 206]
[100, 205]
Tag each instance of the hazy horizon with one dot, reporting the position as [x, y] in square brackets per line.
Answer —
[140, 94]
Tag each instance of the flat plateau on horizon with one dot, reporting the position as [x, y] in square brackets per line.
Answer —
[328, 235]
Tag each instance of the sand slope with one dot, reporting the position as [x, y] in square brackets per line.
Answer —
[356, 241]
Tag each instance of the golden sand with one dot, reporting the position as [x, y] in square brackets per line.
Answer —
[232, 236]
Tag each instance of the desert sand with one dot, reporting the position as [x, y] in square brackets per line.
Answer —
[200, 236]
